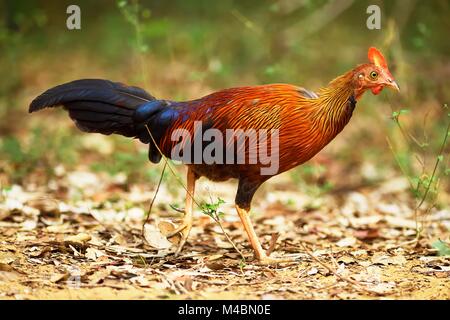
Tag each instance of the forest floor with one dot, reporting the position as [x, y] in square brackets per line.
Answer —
[79, 237]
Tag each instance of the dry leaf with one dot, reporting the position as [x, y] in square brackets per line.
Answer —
[44, 205]
[99, 276]
[155, 238]
[312, 271]
[37, 252]
[140, 281]
[166, 227]
[359, 253]
[366, 234]
[119, 239]
[4, 212]
[59, 228]
[80, 238]
[214, 257]
[7, 257]
[346, 242]
[383, 287]
[29, 224]
[380, 258]
[346, 259]
[215, 266]
[94, 254]
[365, 221]
[397, 260]
[400, 222]
[8, 273]
[58, 277]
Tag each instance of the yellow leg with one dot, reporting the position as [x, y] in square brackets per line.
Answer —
[186, 224]
[260, 254]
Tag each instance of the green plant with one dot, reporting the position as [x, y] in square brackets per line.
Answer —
[442, 248]
[211, 209]
[42, 149]
[132, 13]
[309, 178]
[133, 163]
[425, 181]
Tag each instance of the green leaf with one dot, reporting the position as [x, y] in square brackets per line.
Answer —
[144, 48]
[210, 209]
[404, 111]
[442, 247]
[121, 4]
[12, 147]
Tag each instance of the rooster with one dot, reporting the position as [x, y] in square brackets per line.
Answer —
[305, 122]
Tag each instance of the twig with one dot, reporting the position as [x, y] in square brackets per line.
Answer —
[319, 19]
[171, 283]
[246, 21]
[154, 197]
[217, 220]
[170, 167]
[438, 160]
[273, 242]
[391, 147]
[177, 209]
[348, 280]
[336, 265]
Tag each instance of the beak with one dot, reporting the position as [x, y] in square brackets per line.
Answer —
[393, 85]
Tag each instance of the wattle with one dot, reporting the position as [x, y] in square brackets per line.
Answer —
[377, 90]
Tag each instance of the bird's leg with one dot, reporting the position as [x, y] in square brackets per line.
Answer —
[244, 196]
[260, 254]
[186, 224]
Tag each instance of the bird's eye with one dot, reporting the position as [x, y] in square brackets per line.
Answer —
[373, 75]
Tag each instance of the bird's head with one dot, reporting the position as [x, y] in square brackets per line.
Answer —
[374, 76]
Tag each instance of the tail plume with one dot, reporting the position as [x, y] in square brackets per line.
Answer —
[109, 107]
[96, 105]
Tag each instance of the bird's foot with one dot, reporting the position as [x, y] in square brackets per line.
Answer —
[184, 229]
[178, 229]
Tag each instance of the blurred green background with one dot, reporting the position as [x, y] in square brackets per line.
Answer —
[186, 49]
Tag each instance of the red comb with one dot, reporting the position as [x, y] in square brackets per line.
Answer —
[377, 58]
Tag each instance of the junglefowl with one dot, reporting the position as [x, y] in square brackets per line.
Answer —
[304, 121]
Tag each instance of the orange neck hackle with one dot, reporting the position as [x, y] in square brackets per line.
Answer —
[335, 104]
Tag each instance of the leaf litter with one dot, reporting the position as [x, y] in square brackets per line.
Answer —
[88, 244]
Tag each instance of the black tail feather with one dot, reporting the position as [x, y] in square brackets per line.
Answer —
[100, 107]
[99, 90]
[109, 107]
[96, 105]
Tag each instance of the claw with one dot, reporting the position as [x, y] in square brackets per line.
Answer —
[177, 230]
[186, 228]
[183, 229]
